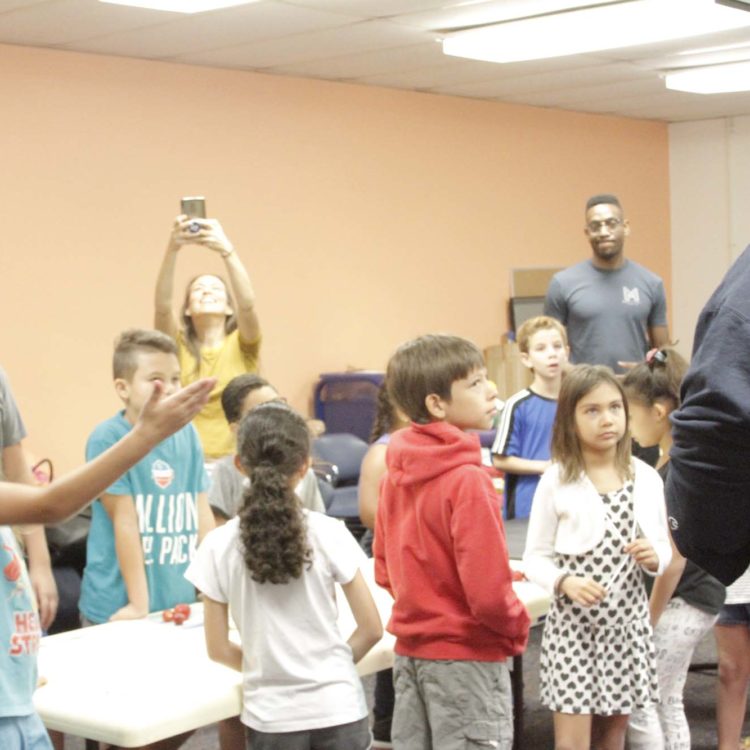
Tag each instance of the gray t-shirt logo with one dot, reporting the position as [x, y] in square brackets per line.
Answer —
[631, 296]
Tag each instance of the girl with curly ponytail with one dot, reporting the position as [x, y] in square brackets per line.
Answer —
[274, 567]
[273, 444]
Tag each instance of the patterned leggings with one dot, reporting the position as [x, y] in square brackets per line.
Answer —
[663, 726]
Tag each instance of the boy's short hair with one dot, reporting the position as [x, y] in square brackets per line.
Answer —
[603, 199]
[429, 364]
[235, 392]
[133, 341]
[539, 323]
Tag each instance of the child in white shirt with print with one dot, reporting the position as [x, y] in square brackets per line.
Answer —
[274, 567]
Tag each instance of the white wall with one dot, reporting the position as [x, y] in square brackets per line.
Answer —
[709, 164]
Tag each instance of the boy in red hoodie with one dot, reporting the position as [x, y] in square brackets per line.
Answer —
[440, 550]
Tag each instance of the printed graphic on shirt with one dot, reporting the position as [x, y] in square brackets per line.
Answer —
[25, 631]
[12, 570]
[24, 639]
[631, 296]
[162, 473]
[168, 526]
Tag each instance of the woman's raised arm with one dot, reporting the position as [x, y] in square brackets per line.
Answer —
[213, 237]
[164, 317]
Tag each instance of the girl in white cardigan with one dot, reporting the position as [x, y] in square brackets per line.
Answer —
[597, 521]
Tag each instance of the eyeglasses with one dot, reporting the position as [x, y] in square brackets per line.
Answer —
[594, 227]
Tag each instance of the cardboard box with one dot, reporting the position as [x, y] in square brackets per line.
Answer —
[505, 368]
[531, 282]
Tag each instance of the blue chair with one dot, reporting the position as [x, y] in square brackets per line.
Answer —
[337, 458]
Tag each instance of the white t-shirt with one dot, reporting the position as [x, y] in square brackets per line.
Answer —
[297, 669]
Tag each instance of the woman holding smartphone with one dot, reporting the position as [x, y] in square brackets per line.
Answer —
[217, 333]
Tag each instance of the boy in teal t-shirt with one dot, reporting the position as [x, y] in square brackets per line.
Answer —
[146, 526]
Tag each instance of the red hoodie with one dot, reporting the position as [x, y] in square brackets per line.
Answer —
[440, 550]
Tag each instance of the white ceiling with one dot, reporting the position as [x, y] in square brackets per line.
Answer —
[390, 43]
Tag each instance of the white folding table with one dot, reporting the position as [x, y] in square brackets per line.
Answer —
[135, 682]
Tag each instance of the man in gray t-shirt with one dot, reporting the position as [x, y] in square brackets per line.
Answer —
[613, 308]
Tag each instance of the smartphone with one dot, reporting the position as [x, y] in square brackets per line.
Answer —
[194, 207]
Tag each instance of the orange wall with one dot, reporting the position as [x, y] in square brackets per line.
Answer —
[365, 215]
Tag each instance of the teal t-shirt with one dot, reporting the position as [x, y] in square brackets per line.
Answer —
[164, 487]
[19, 631]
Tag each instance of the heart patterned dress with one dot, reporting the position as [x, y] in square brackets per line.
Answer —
[601, 660]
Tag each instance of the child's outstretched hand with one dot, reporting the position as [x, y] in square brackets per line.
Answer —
[585, 591]
[161, 416]
[643, 553]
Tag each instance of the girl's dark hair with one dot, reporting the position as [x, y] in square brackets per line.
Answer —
[386, 417]
[657, 379]
[191, 338]
[273, 443]
[566, 446]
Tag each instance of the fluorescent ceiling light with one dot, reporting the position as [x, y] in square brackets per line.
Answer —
[624, 24]
[483, 12]
[713, 79]
[180, 6]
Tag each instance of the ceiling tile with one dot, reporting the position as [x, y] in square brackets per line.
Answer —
[696, 107]
[51, 23]
[555, 82]
[719, 48]
[453, 15]
[374, 62]
[370, 8]
[345, 40]
[9, 5]
[604, 97]
[209, 31]
[456, 71]
[677, 46]
[733, 53]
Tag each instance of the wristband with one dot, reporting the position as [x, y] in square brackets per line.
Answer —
[227, 253]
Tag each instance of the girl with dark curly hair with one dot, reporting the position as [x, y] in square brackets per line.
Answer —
[274, 567]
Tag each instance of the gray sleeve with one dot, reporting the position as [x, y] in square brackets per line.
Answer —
[12, 430]
[225, 492]
[554, 303]
[309, 492]
[658, 314]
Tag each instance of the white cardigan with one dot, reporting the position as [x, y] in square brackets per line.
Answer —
[570, 519]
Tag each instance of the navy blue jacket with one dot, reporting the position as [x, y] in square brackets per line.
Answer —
[708, 487]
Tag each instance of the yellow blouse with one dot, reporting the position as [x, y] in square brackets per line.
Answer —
[231, 358]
